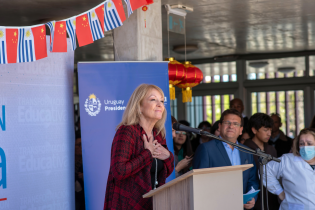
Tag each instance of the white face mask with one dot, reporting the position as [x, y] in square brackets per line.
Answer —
[307, 152]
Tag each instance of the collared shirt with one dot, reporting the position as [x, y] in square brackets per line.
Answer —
[234, 155]
[298, 181]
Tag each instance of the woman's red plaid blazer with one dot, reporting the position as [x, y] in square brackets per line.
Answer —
[129, 177]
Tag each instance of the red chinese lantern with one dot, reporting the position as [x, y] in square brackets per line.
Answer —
[176, 73]
[193, 77]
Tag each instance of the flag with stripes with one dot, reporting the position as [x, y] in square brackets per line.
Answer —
[26, 48]
[95, 25]
[3, 47]
[51, 26]
[129, 9]
[111, 16]
[71, 32]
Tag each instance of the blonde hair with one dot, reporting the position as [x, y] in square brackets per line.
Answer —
[296, 141]
[132, 112]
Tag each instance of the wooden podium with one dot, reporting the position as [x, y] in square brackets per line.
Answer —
[202, 189]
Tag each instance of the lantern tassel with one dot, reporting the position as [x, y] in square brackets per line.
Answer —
[184, 95]
[172, 92]
[187, 95]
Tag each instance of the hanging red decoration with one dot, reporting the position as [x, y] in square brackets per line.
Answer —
[193, 77]
[176, 73]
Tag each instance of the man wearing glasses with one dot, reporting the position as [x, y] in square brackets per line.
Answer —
[217, 153]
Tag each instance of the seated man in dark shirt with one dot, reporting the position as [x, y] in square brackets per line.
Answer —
[278, 139]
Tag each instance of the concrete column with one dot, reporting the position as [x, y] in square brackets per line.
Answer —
[241, 93]
[135, 42]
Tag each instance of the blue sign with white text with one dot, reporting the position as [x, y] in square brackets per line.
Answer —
[105, 89]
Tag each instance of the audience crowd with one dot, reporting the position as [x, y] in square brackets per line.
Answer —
[291, 183]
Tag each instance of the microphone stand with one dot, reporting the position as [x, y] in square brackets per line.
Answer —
[263, 159]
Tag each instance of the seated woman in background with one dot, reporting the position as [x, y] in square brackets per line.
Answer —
[259, 129]
[245, 135]
[297, 171]
[205, 126]
[215, 129]
[183, 152]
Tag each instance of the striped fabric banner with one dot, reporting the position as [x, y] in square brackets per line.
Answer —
[3, 47]
[51, 26]
[96, 29]
[26, 49]
[111, 16]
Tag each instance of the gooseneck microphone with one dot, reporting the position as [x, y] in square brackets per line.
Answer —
[181, 127]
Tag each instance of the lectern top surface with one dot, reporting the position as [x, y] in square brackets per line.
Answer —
[197, 172]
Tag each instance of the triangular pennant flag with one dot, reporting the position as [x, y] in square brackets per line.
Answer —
[95, 25]
[3, 47]
[71, 24]
[60, 37]
[111, 17]
[26, 48]
[51, 26]
[12, 36]
[100, 14]
[83, 30]
[39, 33]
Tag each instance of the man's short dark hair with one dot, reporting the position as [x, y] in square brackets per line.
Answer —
[276, 114]
[232, 111]
[257, 121]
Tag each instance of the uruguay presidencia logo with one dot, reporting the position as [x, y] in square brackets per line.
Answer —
[92, 105]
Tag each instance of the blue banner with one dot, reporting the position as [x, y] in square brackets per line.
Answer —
[105, 89]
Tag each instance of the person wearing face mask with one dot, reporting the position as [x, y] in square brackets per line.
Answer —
[297, 171]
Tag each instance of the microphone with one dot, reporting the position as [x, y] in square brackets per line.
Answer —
[181, 127]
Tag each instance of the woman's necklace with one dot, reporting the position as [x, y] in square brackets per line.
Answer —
[156, 168]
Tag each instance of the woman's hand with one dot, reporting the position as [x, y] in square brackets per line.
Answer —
[150, 145]
[160, 152]
[282, 196]
[184, 163]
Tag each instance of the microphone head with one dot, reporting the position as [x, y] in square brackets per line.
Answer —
[176, 126]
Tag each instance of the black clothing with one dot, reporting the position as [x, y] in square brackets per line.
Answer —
[272, 199]
[282, 145]
[152, 171]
